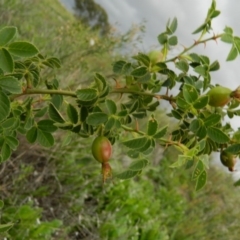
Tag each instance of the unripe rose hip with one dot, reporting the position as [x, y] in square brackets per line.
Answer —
[228, 160]
[219, 96]
[101, 149]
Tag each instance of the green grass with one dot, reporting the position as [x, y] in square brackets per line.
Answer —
[58, 194]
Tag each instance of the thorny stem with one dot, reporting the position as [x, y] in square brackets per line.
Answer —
[214, 37]
[73, 94]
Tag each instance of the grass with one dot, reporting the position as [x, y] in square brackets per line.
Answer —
[58, 194]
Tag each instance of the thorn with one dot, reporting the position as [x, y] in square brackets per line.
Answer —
[117, 83]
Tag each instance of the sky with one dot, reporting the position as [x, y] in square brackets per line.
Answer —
[190, 14]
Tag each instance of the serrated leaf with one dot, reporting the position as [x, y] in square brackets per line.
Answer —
[202, 70]
[87, 96]
[72, 113]
[205, 160]
[182, 65]
[214, 66]
[152, 127]
[32, 135]
[118, 66]
[4, 106]
[12, 142]
[57, 100]
[96, 118]
[47, 125]
[233, 149]
[6, 61]
[201, 102]
[198, 170]
[232, 54]
[227, 37]
[173, 41]
[201, 181]
[182, 159]
[44, 138]
[201, 28]
[139, 71]
[217, 135]
[22, 49]
[10, 84]
[127, 174]
[5, 227]
[109, 124]
[138, 165]
[136, 143]
[161, 132]
[162, 38]
[173, 25]
[5, 152]
[182, 103]
[54, 114]
[111, 106]
[212, 120]
[190, 93]
[7, 34]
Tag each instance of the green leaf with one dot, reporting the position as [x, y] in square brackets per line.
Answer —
[182, 65]
[233, 149]
[190, 93]
[87, 96]
[214, 66]
[72, 113]
[198, 170]
[212, 120]
[6, 61]
[111, 106]
[182, 159]
[97, 118]
[201, 181]
[5, 227]
[202, 70]
[136, 143]
[138, 165]
[162, 38]
[195, 125]
[118, 66]
[54, 114]
[10, 84]
[22, 49]
[10, 123]
[110, 124]
[201, 28]
[182, 103]
[232, 54]
[201, 102]
[12, 142]
[57, 100]
[205, 160]
[7, 34]
[47, 125]
[173, 25]
[32, 135]
[5, 152]
[217, 135]
[44, 138]
[4, 106]
[227, 38]
[127, 174]
[152, 127]
[139, 71]
[173, 41]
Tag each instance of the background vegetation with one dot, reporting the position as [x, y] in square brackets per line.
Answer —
[58, 194]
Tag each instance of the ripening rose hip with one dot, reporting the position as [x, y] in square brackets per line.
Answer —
[101, 149]
[228, 160]
[219, 96]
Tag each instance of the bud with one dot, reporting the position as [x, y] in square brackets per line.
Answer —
[228, 160]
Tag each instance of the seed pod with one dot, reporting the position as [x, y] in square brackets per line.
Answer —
[228, 160]
[219, 96]
[101, 149]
